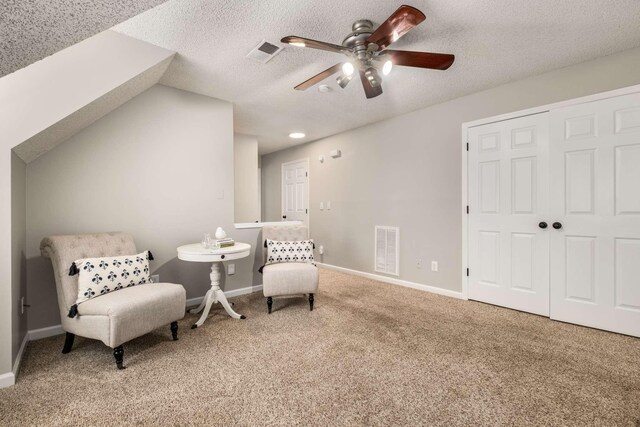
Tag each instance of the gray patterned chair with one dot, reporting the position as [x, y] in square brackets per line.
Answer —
[117, 317]
[288, 279]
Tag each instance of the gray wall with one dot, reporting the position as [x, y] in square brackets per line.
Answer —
[159, 167]
[245, 171]
[18, 252]
[406, 172]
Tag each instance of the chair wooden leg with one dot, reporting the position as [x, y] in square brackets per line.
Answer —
[174, 330]
[310, 302]
[269, 304]
[68, 343]
[118, 353]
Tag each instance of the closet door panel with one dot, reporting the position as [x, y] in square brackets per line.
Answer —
[508, 192]
[595, 195]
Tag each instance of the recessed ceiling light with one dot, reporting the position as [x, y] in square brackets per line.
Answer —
[296, 135]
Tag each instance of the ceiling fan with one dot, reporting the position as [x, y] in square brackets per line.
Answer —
[368, 54]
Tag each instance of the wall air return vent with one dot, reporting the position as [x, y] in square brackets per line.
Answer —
[387, 250]
[264, 51]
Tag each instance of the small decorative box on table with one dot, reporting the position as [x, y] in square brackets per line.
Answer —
[197, 253]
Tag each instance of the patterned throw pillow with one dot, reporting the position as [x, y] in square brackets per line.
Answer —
[299, 251]
[99, 276]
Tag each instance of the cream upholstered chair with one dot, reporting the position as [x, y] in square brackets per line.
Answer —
[292, 278]
[116, 317]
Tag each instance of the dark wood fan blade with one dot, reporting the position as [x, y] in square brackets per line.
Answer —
[396, 26]
[319, 77]
[437, 61]
[369, 90]
[314, 44]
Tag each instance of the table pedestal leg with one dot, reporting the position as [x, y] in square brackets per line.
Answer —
[222, 299]
[213, 295]
[201, 306]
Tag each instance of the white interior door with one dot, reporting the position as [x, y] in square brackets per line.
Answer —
[295, 191]
[595, 196]
[508, 198]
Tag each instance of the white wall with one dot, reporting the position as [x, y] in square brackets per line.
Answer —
[246, 194]
[406, 172]
[18, 252]
[33, 99]
[159, 167]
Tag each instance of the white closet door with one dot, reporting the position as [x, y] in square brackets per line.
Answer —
[295, 191]
[508, 198]
[595, 195]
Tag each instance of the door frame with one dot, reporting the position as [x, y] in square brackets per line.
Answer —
[499, 118]
[282, 166]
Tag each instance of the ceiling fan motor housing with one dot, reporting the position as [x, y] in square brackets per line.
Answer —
[361, 30]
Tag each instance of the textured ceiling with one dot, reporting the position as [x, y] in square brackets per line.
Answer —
[32, 30]
[494, 42]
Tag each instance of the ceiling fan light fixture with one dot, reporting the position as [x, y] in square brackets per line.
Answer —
[344, 80]
[386, 68]
[367, 53]
[297, 135]
[347, 68]
[372, 75]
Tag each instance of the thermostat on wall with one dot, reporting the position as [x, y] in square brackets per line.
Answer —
[335, 153]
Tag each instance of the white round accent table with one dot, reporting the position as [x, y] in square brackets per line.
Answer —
[197, 253]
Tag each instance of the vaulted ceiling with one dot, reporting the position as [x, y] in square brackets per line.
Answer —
[494, 42]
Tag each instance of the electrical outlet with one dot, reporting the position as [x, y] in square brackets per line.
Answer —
[434, 265]
[155, 278]
[418, 264]
[231, 269]
[321, 250]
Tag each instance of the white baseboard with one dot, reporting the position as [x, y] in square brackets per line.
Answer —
[9, 379]
[393, 281]
[49, 331]
[16, 364]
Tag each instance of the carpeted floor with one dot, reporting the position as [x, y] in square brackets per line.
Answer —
[369, 354]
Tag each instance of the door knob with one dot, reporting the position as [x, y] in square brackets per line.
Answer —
[557, 225]
[542, 225]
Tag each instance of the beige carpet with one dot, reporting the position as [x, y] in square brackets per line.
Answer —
[369, 354]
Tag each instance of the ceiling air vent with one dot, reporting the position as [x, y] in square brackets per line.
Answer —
[264, 51]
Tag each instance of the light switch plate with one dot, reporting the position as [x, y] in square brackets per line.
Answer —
[328, 206]
[434, 265]
[321, 206]
[231, 269]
